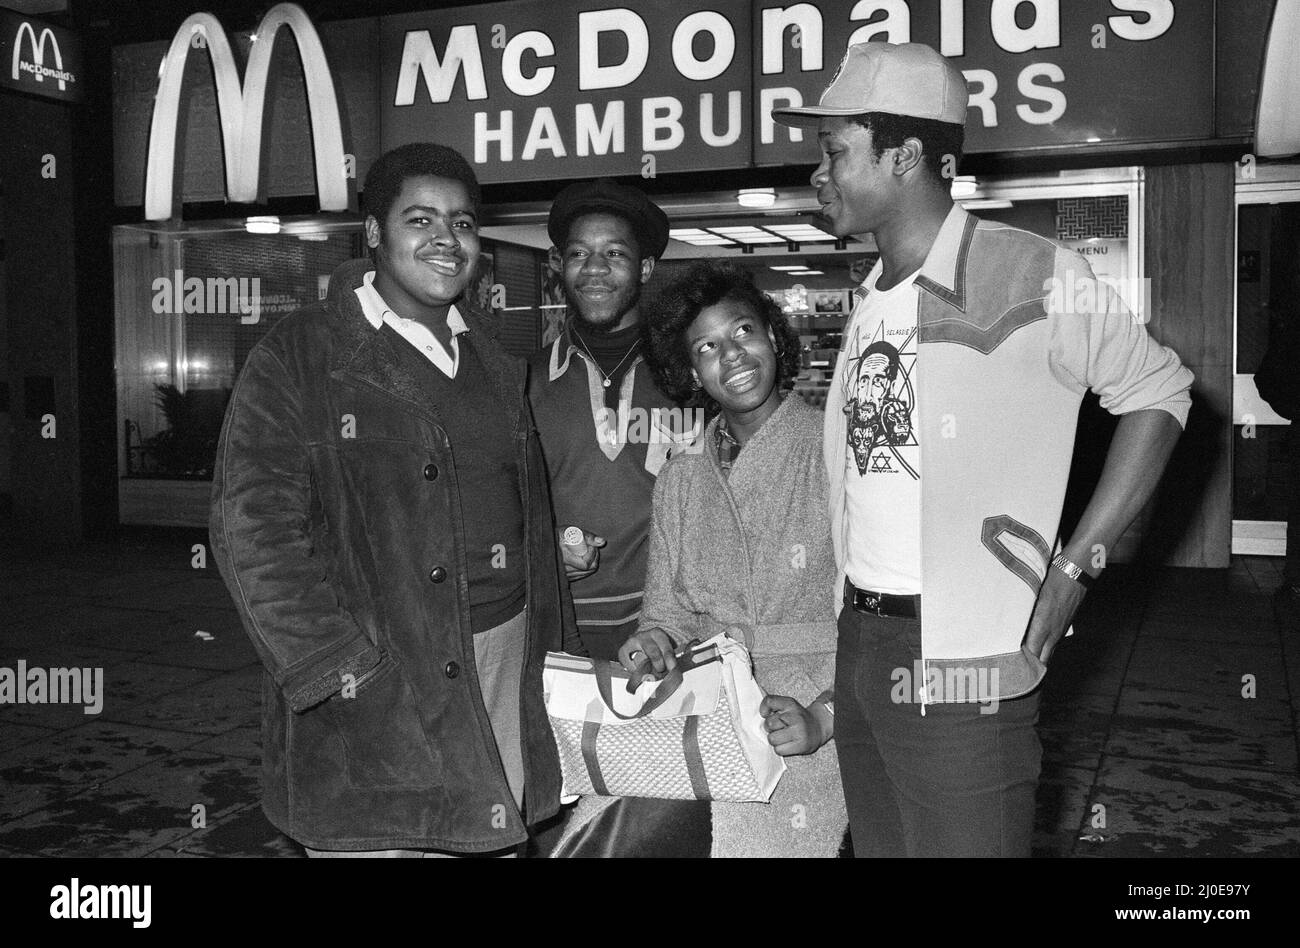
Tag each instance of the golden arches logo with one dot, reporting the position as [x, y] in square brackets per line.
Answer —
[37, 62]
[240, 110]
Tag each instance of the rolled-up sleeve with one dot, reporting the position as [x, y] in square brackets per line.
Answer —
[1097, 343]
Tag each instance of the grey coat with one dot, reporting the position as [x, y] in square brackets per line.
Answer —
[750, 554]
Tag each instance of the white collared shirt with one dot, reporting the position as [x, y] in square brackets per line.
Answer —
[378, 312]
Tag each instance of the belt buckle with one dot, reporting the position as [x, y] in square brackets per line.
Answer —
[871, 601]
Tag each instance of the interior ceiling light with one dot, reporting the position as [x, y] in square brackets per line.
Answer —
[808, 273]
[802, 233]
[697, 237]
[703, 239]
[988, 204]
[748, 235]
[787, 267]
[756, 197]
[964, 186]
[262, 225]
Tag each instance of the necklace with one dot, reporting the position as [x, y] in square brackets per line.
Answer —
[606, 378]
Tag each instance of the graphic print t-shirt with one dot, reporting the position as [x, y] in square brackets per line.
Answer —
[882, 476]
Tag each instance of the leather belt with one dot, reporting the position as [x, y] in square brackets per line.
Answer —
[881, 604]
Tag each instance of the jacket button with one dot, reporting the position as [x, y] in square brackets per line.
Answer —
[437, 574]
[452, 670]
[431, 472]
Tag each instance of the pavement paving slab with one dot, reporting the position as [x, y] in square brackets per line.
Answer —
[125, 685]
[245, 833]
[133, 814]
[1184, 727]
[1170, 810]
[1214, 669]
[207, 707]
[35, 775]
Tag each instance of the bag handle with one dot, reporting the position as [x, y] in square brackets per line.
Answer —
[667, 686]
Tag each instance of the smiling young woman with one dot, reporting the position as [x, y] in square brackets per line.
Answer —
[740, 542]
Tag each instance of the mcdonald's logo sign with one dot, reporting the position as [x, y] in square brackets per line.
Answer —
[240, 110]
[43, 60]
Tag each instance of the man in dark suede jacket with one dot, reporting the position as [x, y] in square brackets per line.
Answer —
[380, 514]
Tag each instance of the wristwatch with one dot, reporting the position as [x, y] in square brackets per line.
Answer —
[1073, 570]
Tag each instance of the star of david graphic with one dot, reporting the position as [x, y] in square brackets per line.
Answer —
[880, 462]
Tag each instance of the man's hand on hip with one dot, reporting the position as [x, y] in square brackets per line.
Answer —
[1058, 600]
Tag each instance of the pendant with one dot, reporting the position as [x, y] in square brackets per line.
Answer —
[606, 383]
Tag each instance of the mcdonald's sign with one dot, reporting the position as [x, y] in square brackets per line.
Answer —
[240, 110]
[39, 59]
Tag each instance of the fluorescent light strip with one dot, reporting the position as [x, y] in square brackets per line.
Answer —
[747, 235]
[799, 230]
[807, 238]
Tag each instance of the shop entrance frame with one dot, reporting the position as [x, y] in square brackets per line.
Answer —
[1267, 184]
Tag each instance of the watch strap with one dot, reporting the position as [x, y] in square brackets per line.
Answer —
[1073, 570]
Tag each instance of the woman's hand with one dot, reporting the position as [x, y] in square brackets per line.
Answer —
[651, 645]
[791, 728]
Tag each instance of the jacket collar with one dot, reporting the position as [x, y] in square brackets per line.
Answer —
[365, 353]
[377, 311]
[346, 310]
[563, 349]
[944, 272]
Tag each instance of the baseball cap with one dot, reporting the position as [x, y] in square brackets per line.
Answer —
[649, 222]
[898, 78]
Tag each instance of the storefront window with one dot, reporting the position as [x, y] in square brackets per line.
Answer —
[189, 308]
[190, 305]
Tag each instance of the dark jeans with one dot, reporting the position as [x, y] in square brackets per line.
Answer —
[954, 782]
[634, 828]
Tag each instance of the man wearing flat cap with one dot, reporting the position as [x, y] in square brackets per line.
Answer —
[955, 584]
[597, 410]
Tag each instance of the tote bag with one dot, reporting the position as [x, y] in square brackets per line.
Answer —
[696, 735]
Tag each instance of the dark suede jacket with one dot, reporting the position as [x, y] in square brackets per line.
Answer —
[337, 528]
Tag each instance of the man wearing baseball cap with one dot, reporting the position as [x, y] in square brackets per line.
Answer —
[956, 585]
[596, 407]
